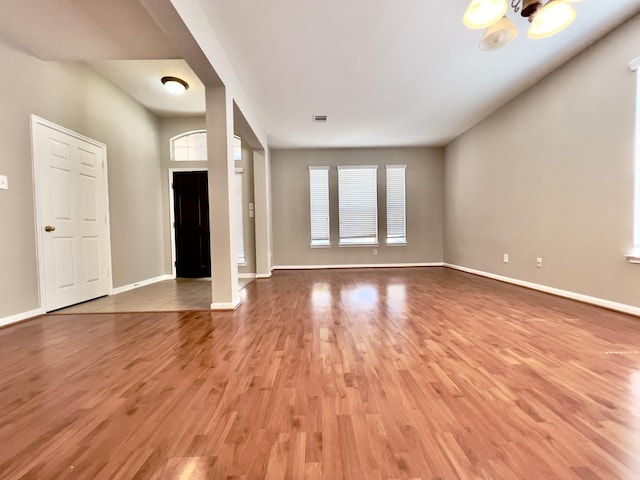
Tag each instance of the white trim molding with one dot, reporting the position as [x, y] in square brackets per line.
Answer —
[141, 283]
[246, 275]
[225, 306]
[634, 255]
[263, 275]
[600, 302]
[362, 265]
[18, 317]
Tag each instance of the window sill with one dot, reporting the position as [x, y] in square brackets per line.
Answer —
[320, 245]
[358, 244]
[242, 264]
[397, 244]
[634, 255]
[633, 258]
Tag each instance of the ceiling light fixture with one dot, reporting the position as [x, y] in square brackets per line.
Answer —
[554, 17]
[547, 20]
[174, 85]
[499, 34]
[484, 13]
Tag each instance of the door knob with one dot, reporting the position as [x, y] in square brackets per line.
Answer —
[49, 228]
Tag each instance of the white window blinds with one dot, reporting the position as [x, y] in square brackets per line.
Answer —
[396, 208]
[319, 205]
[358, 205]
[239, 218]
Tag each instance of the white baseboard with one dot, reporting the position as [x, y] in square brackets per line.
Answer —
[263, 275]
[18, 317]
[141, 283]
[363, 265]
[600, 302]
[246, 275]
[226, 306]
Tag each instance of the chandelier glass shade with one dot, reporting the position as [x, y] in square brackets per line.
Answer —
[554, 17]
[499, 34]
[484, 13]
[547, 20]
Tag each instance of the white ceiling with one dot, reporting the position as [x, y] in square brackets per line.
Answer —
[386, 72]
[141, 80]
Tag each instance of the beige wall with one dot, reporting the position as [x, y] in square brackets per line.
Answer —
[74, 96]
[551, 175]
[290, 197]
[169, 128]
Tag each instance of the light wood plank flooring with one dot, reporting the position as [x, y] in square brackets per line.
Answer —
[166, 296]
[349, 374]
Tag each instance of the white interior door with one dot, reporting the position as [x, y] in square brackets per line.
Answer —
[72, 215]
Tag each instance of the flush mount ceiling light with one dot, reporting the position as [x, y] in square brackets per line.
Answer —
[547, 20]
[174, 85]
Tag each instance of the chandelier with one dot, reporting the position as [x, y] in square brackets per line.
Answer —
[546, 20]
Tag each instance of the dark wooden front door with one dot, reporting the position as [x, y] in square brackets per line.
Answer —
[191, 203]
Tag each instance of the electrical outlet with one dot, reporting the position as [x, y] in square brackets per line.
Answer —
[505, 257]
[375, 251]
[4, 182]
[539, 262]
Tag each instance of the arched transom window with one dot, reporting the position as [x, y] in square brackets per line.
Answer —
[192, 147]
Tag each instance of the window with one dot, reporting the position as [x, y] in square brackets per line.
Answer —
[237, 148]
[396, 208]
[192, 147]
[319, 206]
[239, 218]
[358, 205]
[634, 255]
[189, 147]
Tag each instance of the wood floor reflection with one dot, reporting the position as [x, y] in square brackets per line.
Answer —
[348, 374]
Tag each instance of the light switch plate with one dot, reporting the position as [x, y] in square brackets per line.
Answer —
[4, 182]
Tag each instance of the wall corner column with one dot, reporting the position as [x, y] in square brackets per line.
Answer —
[262, 195]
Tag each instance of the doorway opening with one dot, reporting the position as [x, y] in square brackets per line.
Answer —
[191, 233]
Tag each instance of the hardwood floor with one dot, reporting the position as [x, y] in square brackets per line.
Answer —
[362, 374]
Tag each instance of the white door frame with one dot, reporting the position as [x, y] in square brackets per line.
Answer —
[172, 214]
[35, 121]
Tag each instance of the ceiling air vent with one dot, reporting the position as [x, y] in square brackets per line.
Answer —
[319, 119]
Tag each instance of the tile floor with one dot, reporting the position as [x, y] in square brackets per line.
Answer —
[170, 295]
